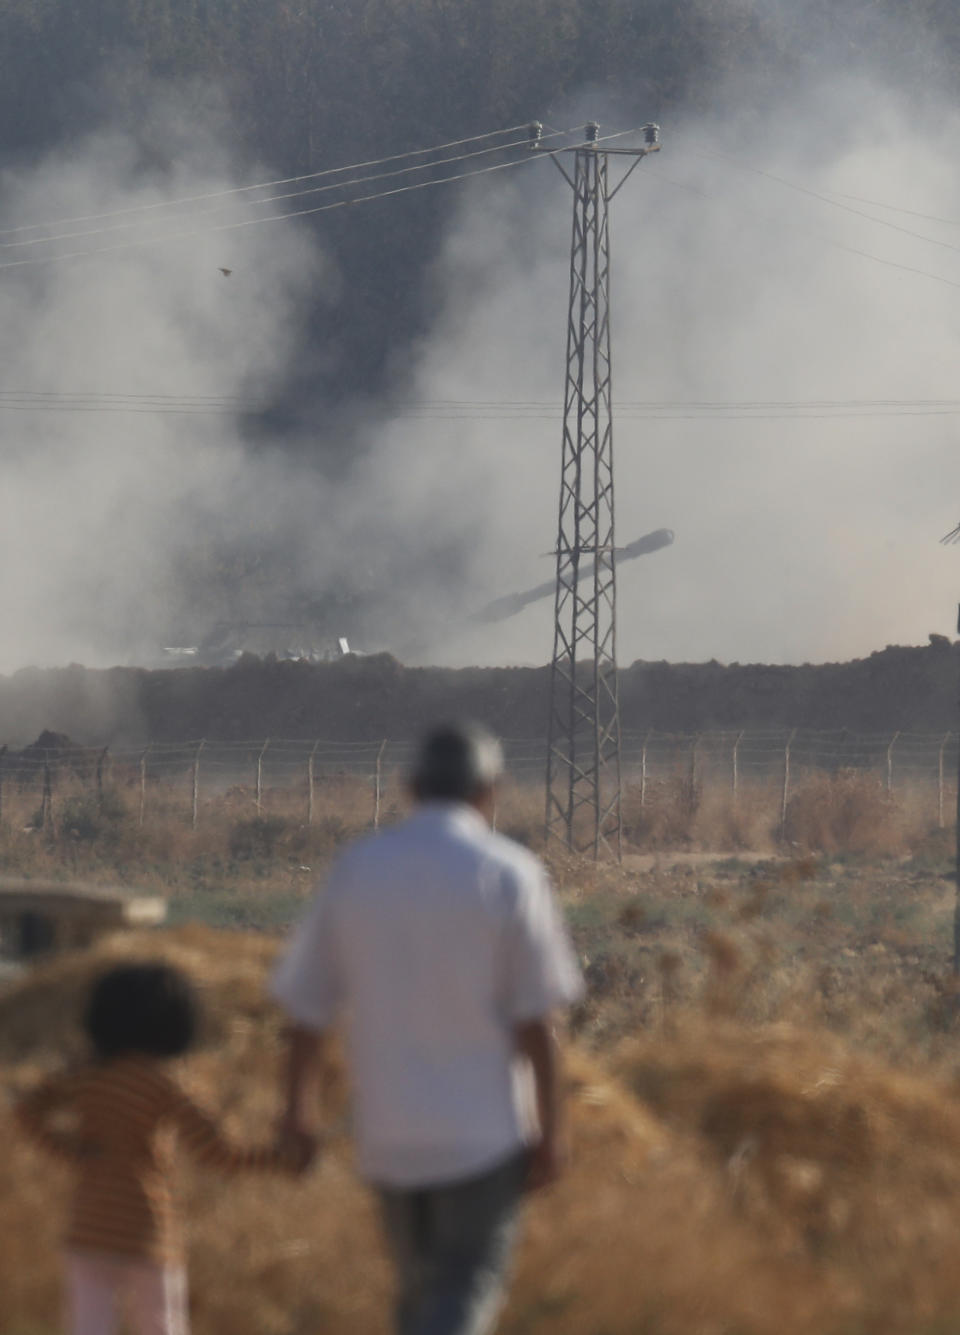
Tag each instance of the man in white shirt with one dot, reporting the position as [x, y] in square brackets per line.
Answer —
[439, 945]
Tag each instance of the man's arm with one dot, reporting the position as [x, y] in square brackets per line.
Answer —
[536, 1040]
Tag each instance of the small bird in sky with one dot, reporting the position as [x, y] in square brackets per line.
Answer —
[226, 272]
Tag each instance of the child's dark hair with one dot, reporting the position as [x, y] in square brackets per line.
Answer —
[148, 1009]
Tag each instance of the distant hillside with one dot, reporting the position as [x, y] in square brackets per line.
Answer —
[369, 698]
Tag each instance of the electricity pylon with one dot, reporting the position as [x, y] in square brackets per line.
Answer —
[583, 738]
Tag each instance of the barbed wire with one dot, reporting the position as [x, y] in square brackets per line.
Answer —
[271, 775]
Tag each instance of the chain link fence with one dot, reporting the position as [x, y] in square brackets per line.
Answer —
[186, 778]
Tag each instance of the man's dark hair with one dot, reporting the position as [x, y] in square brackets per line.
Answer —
[148, 1009]
[457, 762]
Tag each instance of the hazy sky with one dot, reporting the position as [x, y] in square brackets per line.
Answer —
[799, 538]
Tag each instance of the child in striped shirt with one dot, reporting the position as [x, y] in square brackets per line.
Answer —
[119, 1121]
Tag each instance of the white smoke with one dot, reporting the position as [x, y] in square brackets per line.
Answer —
[110, 515]
[796, 539]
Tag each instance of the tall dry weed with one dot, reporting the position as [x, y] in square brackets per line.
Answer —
[97, 835]
[846, 813]
[764, 1180]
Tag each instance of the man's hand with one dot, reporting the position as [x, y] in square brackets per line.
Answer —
[535, 1040]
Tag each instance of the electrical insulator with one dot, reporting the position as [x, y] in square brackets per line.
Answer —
[651, 135]
[535, 132]
[592, 132]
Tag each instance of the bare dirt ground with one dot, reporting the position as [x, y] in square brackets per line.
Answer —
[667, 861]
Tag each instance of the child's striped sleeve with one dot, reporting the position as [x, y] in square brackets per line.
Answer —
[202, 1138]
[39, 1112]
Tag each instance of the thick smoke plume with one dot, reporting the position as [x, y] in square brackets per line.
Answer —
[806, 529]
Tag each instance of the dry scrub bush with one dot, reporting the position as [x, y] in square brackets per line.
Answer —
[520, 812]
[724, 1179]
[677, 814]
[96, 835]
[663, 820]
[845, 813]
[724, 822]
[832, 1158]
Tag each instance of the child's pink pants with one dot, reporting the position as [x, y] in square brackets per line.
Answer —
[100, 1287]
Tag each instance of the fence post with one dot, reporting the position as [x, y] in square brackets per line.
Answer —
[46, 801]
[893, 740]
[785, 795]
[143, 785]
[735, 766]
[3, 752]
[377, 782]
[263, 752]
[694, 770]
[643, 769]
[101, 759]
[196, 784]
[940, 779]
[310, 782]
[843, 740]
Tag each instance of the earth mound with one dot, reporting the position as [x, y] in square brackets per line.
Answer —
[372, 698]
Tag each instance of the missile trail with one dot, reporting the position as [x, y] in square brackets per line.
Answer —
[511, 603]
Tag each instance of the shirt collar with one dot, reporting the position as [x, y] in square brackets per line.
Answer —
[449, 815]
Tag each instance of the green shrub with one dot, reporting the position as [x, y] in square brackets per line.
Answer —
[91, 816]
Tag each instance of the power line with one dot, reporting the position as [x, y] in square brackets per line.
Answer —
[271, 199]
[295, 213]
[65, 402]
[263, 185]
[896, 208]
[825, 199]
[710, 403]
[13, 400]
[681, 410]
[276, 217]
[126, 408]
[105, 394]
[661, 178]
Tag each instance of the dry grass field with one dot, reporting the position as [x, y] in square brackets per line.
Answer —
[764, 1081]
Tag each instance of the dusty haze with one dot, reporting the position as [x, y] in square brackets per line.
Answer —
[796, 539]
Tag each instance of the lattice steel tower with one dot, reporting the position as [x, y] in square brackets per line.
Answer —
[583, 739]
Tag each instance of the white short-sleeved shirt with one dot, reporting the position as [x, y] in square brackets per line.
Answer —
[433, 939]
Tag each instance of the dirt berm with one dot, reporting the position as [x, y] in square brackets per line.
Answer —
[365, 698]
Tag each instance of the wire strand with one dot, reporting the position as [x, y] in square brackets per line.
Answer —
[496, 410]
[826, 199]
[268, 199]
[262, 185]
[277, 217]
[661, 178]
